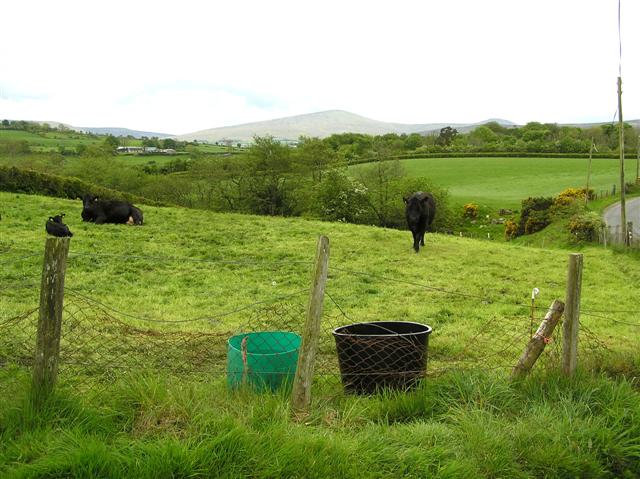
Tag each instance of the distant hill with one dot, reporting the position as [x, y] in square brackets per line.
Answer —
[120, 132]
[115, 131]
[321, 124]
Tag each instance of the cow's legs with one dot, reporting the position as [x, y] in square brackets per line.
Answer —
[416, 241]
[422, 238]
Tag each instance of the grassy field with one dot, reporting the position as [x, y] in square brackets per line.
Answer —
[497, 183]
[158, 159]
[186, 264]
[51, 141]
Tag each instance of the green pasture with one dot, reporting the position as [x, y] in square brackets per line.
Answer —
[141, 160]
[498, 183]
[210, 148]
[184, 264]
[187, 264]
[50, 141]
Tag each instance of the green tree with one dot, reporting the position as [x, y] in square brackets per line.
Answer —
[110, 144]
[482, 136]
[269, 189]
[315, 156]
[446, 136]
[413, 141]
[169, 143]
[378, 177]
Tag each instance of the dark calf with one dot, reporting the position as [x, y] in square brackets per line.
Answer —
[420, 210]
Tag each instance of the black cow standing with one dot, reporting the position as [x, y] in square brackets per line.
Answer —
[55, 226]
[420, 211]
[109, 211]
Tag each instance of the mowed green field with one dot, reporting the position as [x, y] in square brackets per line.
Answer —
[187, 264]
[504, 182]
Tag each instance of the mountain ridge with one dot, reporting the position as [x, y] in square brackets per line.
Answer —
[320, 124]
[317, 124]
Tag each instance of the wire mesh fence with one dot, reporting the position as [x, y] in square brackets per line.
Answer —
[258, 342]
[615, 235]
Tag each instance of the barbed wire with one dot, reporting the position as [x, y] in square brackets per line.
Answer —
[21, 258]
[612, 311]
[483, 299]
[186, 259]
[191, 320]
[609, 318]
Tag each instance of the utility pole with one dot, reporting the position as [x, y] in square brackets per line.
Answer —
[586, 190]
[638, 162]
[623, 212]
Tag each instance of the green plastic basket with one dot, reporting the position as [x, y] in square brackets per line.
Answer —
[265, 360]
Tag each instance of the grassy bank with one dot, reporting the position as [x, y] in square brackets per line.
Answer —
[459, 426]
[184, 264]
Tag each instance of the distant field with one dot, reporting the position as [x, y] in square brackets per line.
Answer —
[158, 159]
[504, 182]
[48, 141]
[206, 148]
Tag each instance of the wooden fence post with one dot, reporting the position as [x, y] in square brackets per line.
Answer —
[45, 368]
[572, 315]
[301, 393]
[539, 340]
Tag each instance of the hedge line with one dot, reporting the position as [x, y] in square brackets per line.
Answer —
[493, 154]
[17, 180]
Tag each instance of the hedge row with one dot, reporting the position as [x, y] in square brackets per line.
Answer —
[493, 154]
[17, 180]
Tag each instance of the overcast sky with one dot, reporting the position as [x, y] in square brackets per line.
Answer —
[181, 66]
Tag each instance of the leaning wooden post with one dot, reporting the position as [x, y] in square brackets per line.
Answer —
[572, 315]
[539, 340]
[301, 393]
[45, 368]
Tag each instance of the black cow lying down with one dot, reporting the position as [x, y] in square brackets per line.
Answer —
[110, 211]
[420, 210]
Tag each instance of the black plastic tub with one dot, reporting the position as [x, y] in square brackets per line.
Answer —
[381, 354]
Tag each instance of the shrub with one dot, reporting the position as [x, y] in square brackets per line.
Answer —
[537, 221]
[470, 210]
[341, 198]
[569, 196]
[535, 215]
[510, 230]
[585, 227]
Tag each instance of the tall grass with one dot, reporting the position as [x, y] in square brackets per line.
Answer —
[460, 425]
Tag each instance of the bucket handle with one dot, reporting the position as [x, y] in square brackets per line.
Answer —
[245, 362]
[391, 331]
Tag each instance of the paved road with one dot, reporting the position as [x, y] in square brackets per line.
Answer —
[611, 216]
